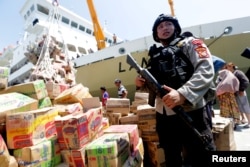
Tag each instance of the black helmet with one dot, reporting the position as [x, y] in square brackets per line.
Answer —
[164, 17]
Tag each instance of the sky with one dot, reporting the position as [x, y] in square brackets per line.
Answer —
[128, 19]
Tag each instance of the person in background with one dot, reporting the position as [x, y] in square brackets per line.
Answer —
[227, 86]
[174, 134]
[114, 39]
[241, 95]
[122, 91]
[105, 96]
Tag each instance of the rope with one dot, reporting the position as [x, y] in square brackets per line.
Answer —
[44, 63]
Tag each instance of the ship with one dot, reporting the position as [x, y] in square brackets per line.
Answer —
[96, 68]
[225, 39]
[45, 17]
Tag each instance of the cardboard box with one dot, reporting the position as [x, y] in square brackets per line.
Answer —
[223, 134]
[4, 153]
[130, 129]
[35, 89]
[149, 136]
[91, 102]
[74, 94]
[118, 105]
[34, 155]
[157, 156]
[74, 158]
[75, 131]
[55, 89]
[141, 96]
[15, 102]
[72, 131]
[130, 119]
[66, 109]
[26, 129]
[45, 102]
[146, 118]
[111, 149]
[113, 118]
[4, 74]
[12, 163]
[136, 157]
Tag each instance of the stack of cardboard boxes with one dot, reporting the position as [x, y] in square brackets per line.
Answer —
[65, 131]
[72, 128]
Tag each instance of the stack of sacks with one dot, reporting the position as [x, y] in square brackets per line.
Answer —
[4, 74]
[36, 90]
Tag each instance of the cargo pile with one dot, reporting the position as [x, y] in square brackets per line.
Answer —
[51, 125]
[70, 128]
[50, 61]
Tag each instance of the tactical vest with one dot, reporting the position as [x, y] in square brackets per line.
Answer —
[171, 67]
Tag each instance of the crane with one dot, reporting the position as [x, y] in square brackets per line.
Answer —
[98, 32]
[171, 4]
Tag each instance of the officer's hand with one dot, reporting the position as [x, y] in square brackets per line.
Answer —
[139, 81]
[153, 50]
[173, 98]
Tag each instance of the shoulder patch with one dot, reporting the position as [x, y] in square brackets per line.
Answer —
[197, 42]
[202, 52]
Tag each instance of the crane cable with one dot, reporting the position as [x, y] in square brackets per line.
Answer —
[44, 63]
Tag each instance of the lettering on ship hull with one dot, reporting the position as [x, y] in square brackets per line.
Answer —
[143, 61]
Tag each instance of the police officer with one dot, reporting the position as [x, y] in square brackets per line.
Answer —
[174, 134]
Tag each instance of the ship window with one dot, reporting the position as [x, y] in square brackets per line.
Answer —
[60, 44]
[109, 41]
[81, 28]
[28, 13]
[71, 47]
[25, 17]
[32, 8]
[74, 24]
[65, 20]
[42, 9]
[88, 31]
[82, 50]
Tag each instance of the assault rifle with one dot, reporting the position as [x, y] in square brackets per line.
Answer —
[158, 89]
